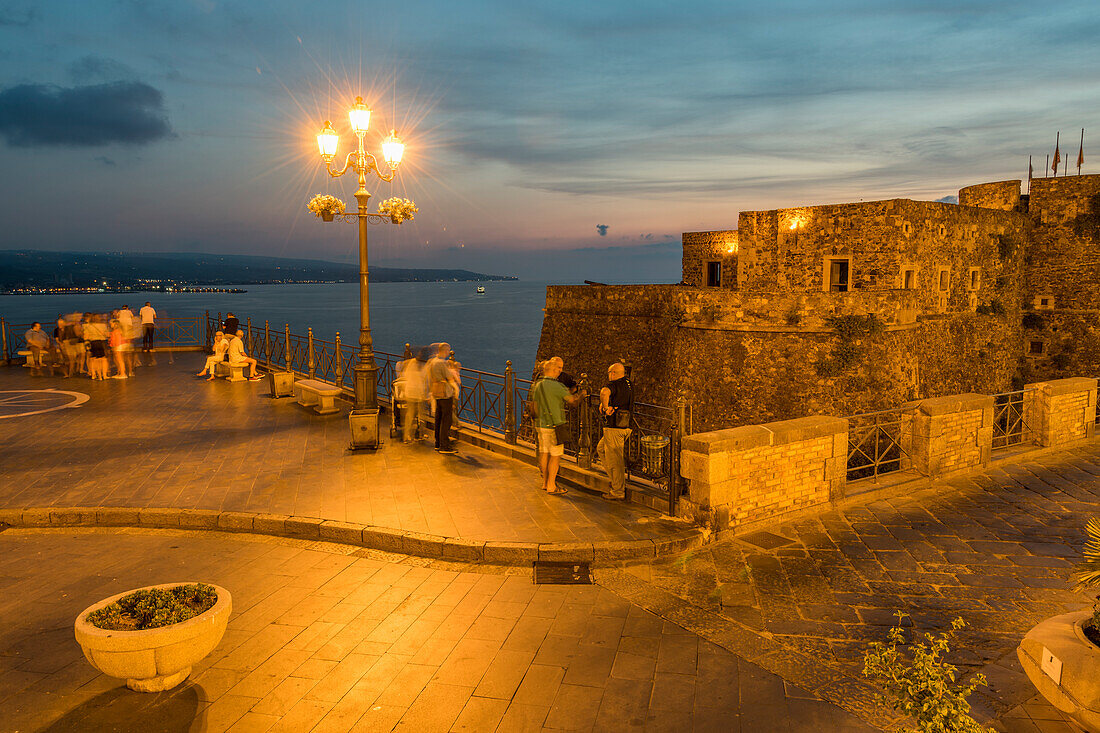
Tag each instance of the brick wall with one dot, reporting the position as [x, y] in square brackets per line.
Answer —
[951, 434]
[1061, 411]
[758, 472]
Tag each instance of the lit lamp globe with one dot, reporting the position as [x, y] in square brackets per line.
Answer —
[393, 149]
[359, 115]
[327, 141]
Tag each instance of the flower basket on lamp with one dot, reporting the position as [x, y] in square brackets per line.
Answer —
[398, 209]
[325, 206]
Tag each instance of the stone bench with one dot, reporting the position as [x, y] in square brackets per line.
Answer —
[232, 372]
[316, 394]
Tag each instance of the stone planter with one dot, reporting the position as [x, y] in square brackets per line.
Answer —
[1064, 666]
[158, 659]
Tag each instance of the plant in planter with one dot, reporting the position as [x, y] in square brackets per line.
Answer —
[325, 206]
[923, 686]
[152, 636]
[398, 209]
[1061, 655]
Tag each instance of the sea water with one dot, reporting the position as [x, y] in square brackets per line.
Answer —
[484, 330]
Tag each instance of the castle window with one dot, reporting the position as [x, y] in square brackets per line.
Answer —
[975, 278]
[1036, 348]
[943, 279]
[909, 278]
[1044, 302]
[837, 273]
[714, 274]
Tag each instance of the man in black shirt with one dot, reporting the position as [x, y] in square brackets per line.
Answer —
[616, 406]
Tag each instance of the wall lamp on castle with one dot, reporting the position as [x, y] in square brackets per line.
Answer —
[364, 415]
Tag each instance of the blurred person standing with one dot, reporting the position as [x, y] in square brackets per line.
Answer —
[616, 407]
[414, 378]
[443, 391]
[95, 334]
[117, 341]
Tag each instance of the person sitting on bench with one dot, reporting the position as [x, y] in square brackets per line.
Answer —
[237, 355]
[221, 345]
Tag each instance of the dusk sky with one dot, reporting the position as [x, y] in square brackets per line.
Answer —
[140, 125]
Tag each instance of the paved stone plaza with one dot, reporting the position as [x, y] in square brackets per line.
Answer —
[764, 632]
[168, 439]
[328, 638]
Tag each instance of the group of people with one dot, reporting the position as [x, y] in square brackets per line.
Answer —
[229, 347]
[429, 381]
[547, 402]
[89, 343]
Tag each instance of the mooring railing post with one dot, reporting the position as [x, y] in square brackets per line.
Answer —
[310, 363]
[286, 347]
[584, 439]
[509, 403]
[4, 338]
[337, 366]
[250, 337]
[267, 345]
[206, 327]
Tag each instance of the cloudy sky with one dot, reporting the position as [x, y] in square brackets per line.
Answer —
[563, 140]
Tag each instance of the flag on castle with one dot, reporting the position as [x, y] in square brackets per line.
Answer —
[1057, 154]
[1081, 152]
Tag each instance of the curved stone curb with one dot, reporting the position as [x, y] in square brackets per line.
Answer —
[351, 533]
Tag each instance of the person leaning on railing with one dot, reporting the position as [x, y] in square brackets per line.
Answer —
[616, 407]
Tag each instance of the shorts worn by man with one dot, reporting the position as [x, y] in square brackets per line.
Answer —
[616, 404]
[550, 397]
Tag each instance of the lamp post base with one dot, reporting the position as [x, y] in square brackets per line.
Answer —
[364, 429]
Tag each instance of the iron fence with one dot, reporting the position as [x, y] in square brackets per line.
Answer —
[878, 443]
[1009, 425]
[171, 332]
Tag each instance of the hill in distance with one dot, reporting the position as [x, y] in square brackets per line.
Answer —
[38, 269]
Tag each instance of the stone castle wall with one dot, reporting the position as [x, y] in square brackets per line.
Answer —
[757, 348]
[1003, 195]
[703, 247]
[743, 358]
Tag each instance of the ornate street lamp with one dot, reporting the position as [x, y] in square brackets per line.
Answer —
[364, 414]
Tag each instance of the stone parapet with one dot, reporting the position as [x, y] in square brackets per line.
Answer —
[1061, 411]
[758, 472]
[951, 434]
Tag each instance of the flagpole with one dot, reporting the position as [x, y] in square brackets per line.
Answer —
[1046, 171]
[1029, 175]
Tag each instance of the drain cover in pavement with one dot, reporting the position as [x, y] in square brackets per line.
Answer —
[562, 573]
[766, 540]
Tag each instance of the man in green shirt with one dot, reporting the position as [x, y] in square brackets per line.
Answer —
[550, 396]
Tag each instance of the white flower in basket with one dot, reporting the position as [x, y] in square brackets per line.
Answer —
[325, 206]
[398, 209]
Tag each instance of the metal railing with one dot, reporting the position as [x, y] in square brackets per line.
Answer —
[171, 332]
[1009, 426]
[488, 403]
[878, 443]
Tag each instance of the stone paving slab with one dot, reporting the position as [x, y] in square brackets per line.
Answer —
[994, 547]
[166, 441]
[328, 637]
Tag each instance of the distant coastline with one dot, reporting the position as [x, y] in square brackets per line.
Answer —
[38, 272]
